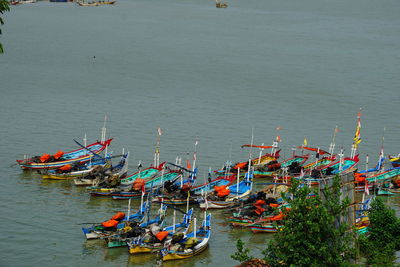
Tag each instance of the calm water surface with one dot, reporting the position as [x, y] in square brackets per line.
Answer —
[196, 71]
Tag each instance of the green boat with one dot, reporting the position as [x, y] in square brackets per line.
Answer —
[144, 174]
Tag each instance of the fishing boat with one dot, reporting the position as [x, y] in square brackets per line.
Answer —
[97, 3]
[264, 228]
[271, 169]
[341, 166]
[67, 172]
[107, 228]
[193, 244]
[386, 175]
[270, 224]
[117, 172]
[147, 173]
[141, 245]
[178, 192]
[360, 176]
[60, 159]
[221, 4]
[153, 183]
[209, 186]
[20, 2]
[395, 161]
[120, 238]
[237, 192]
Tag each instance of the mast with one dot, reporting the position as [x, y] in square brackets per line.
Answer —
[194, 154]
[332, 145]
[157, 152]
[381, 155]
[103, 131]
[237, 181]
[85, 140]
[259, 156]
[251, 147]
[366, 182]
[341, 154]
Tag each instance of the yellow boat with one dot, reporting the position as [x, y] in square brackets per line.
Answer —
[182, 227]
[182, 251]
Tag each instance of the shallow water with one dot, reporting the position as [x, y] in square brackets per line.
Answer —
[195, 71]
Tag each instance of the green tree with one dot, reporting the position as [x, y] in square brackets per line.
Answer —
[4, 6]
[312, 234]
[383, 238]
[242, 253]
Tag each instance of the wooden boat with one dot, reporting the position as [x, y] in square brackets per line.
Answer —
[297, 159]
[99, 3]
[384, 175]
[340, 166]
[384, 192]
[154, 183]
[181, 251]
[209, 186]
[79, 155]
[337, 167]
[20, 2]
[259, 210]
[79, 171]
[98, 230]
[264, 228]
[139, 245]
[237, 192]
[118, 171]
[221, 4]
[260, 160]
[120, 240]
[395, 161]
[147, 173]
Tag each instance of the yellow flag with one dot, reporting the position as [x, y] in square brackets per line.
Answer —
[305, 142]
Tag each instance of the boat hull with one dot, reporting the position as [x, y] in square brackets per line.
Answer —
[181, 256]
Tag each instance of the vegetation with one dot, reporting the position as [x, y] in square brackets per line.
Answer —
[242, 253]
[312, 234]
[4, 6]
[383, 239]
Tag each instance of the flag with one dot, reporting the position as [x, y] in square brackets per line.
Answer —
[305, 142]
[366, 188]
[196, 142]
[357, 135]
[194, 156]
[188, 164]
[160, 132]
[278, 139]
[301, 173]
[278, 128]
[337, 130]
[143, 190]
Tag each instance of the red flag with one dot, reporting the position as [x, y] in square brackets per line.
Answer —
[188, 164]
[366, 188]
[143, 189]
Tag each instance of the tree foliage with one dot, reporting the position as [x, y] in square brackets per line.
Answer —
[313, 234]
[4, 6]
[383, 238]
[242, 253]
